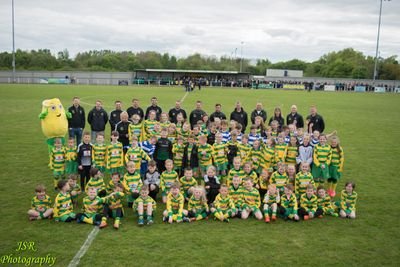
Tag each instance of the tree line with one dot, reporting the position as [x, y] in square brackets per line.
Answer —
[346, 63]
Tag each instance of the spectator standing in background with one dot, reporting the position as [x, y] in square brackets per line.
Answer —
[259, 111]
[295, 118]
[154, 107]
[97, 119]
[240, 116]
[173, 112]
[217, 113]
[76, 123]
[115, 115]
[135, 109]
[314, 121]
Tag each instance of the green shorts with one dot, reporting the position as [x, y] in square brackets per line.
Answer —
[66, 217]
[254, 209]
[334, 173]
[58, 174]
[221, 166]
[71, 167]
[319, 173]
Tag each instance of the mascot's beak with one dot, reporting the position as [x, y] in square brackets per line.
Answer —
[59, 115]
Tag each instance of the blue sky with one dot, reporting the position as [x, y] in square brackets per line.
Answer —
[277, 30]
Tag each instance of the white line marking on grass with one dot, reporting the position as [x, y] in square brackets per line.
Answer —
[81, 252]
[183, 98]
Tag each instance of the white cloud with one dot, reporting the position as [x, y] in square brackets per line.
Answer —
[278, 30]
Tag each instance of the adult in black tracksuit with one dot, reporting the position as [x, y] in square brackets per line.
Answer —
[197, 114]
[258, 112]
[314, 121]
[135, 109]
[217, 113]
[240, 116]
[295, 118]
[173, 112]
[154, 107]
[76, 123]
[115, 115]
[122, 128]
[97, 119]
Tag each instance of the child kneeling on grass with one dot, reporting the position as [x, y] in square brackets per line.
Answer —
[63, 208]
[348, 198]
[174, 209]
[41, 205]
[251, 200]
[93, 209]
[113, 208]
[288, 208]
[324, 203]
[271, 201]
[223, 206]
[197, 205]
[144, 206]
[309, 204]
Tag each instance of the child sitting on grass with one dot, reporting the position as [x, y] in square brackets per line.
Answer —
[271, 202]
[223, 206]
[63, 208]
[197, 205]
[174, 211]
[144, 206]
[41, 205]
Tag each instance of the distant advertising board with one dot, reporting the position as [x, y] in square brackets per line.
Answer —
[293, 86]
[379, 90]
[359, 88]
[263, 86]
[55, 81]
[330, 88]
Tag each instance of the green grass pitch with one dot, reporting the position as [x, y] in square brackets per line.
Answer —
[368, 125]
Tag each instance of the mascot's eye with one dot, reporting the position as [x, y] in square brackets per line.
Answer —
[60, 106]
[53, 107]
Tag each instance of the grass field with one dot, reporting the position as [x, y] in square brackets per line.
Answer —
[367, 124]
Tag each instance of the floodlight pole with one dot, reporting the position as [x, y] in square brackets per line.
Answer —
[13, 45]
[377, 43]
[241, 56]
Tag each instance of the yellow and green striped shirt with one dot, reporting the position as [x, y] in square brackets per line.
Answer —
[38, 204]
[219, 153]
[77, 189]
[177, 151]
[253, 175]
[132, 181]
[233, 172]
[270, 199]
[97, 183]
[289, 202]
[136, 154]
[322, 154]
[115, 156]
[325, 204]
[270, 157]
[175, 204]
[251, 197]
[167, 179]
[256, 157]
[62, 205]
[57, 159]
[148, 129]
[135, 130]
[115, 201]
[348, 201]
[205, 153]
[236, 194]
[280, 180]
[301, 182]
[309, 204]
[337, 158]
[71, 154]
[186, 184]
[244, 151]
[197, 205]
[99, 155]
[223, 203]
[146, 201]
[281, 151]
[90, 208]
[292, 153]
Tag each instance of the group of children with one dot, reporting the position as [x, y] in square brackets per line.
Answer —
[274, 171]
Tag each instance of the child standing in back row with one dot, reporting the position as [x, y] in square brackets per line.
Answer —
[71, 166]
[336, 167]
[115, 154]
[57, 161]
[322, 160]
